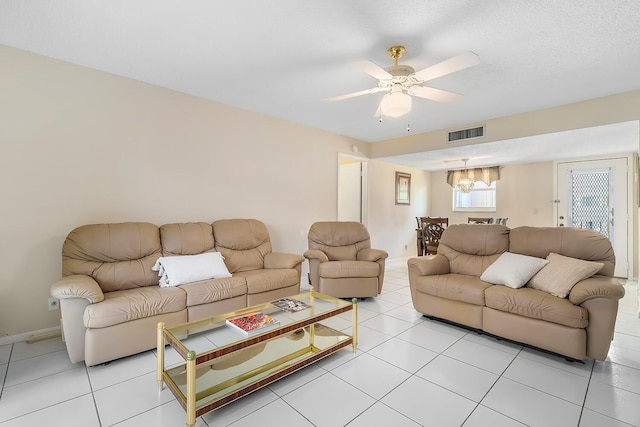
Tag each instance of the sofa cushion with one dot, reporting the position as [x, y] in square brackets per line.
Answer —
[243, 243]
[340, 269]
[259, 281]
[471, 248]
[578, 243]
[213, 290]
[186, 238]
[457, 287]
[562, 273]
[117, 256]
[513, 270]
[467, 264]
[536, 304]
[124, 306]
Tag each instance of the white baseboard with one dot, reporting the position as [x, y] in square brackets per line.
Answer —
[12, 339]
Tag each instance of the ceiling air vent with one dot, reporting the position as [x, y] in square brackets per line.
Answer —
[458, 135]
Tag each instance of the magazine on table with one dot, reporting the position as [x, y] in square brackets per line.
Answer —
[291, 305]
[252, 323]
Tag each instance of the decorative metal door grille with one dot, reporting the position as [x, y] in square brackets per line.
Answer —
[591, 204]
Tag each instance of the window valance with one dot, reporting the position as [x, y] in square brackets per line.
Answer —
[486, 175]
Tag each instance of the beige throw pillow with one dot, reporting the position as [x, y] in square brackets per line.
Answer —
[562, 273]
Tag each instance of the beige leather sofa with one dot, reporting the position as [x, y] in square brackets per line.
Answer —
[342, 262]
[448, 286]
[110, 297]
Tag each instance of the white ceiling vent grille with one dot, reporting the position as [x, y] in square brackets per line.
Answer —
[470, 133]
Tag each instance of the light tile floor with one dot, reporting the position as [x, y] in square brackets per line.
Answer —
[408, 371]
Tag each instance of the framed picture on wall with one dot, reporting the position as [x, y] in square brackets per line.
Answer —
[403, 188]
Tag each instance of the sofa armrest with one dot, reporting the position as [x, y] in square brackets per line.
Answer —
[282, 260]
[429, 265]
[316, 254]
[372, 255]
[77, 286]
[596, 287]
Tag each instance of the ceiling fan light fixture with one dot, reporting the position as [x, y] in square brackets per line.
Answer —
[395, 104]
[403, 82]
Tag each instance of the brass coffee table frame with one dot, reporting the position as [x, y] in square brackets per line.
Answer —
[196, 380]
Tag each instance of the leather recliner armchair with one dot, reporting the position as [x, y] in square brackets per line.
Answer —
[341, 261]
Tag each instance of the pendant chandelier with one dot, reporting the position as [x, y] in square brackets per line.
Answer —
[465, 182]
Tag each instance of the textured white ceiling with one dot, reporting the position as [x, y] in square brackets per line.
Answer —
[281, 57]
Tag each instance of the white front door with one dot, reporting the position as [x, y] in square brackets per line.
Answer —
[593, 194]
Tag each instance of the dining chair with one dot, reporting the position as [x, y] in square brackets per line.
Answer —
[476, 220]
[428, 234]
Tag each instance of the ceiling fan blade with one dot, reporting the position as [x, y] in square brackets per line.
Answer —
[373, 70]
[378, 112]
[434, 94]
[451, 65]
[354, 94]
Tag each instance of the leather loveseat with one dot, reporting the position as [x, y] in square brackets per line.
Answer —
[579, 325]
[110, 296]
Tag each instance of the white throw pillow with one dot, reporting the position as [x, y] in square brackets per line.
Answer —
[562, 273]
[513, 270]
[218, 268]
[178, 270]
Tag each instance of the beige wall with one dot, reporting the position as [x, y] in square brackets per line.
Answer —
[524, 195]
[393, 226]
[79, 146]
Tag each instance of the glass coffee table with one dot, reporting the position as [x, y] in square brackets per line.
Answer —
[236, 365]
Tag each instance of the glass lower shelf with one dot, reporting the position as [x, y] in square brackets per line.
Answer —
[221, 380]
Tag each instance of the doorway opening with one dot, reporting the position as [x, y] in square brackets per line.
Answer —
[352, 189]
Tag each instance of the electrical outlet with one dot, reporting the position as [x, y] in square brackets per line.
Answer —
[53, 304]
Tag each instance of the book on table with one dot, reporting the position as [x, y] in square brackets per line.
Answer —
[291, 305]
[252, 323]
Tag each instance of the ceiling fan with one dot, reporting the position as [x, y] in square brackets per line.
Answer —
[402, 81]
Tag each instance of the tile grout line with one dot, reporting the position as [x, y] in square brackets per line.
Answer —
[6, 372]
